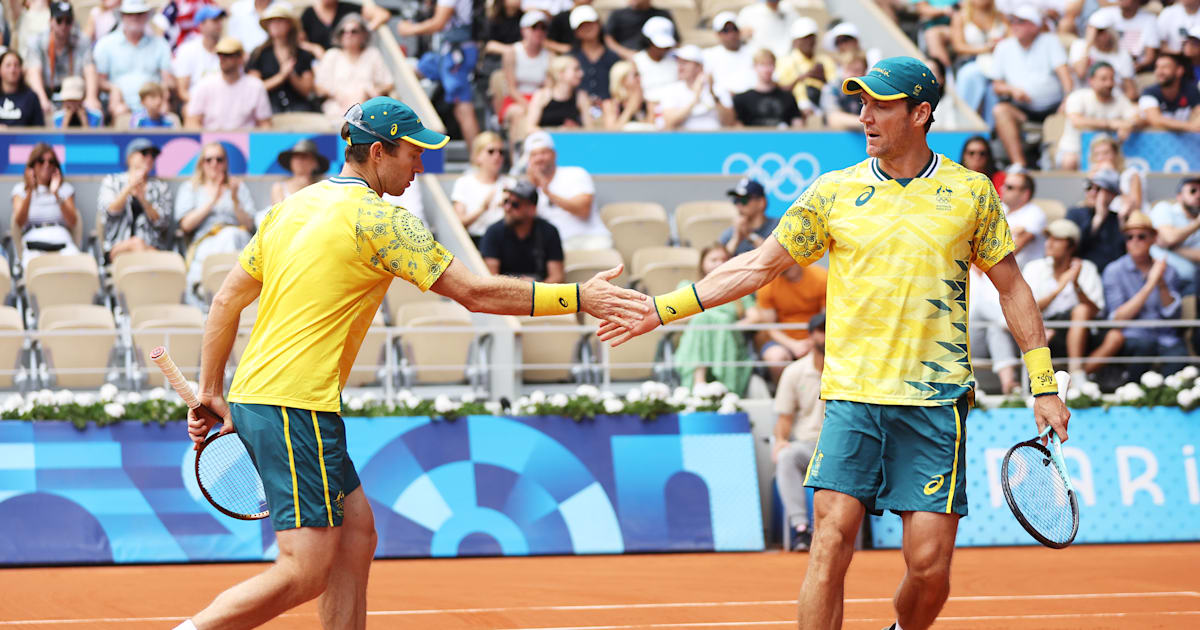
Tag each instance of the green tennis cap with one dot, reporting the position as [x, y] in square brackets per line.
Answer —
[384, 119]
[895, 78]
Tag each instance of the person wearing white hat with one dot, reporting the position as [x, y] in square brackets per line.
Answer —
[595, 59]
[1101, 45]
[560, 38]
[74, 112]
[524, 65]
[625, 30]
[731, 63]
[1174, 22]
[765, 25]
[690, 103]
[656, 65]
[1138, 30]
[566, 196]
[129, 57]
[803, 70]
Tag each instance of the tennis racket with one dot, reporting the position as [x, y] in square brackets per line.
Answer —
[224, 470]
[1037, 487]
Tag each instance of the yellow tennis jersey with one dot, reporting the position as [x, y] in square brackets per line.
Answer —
[325, 256]
[899, 253]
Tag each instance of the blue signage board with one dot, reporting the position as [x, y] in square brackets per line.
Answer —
[1156, 151]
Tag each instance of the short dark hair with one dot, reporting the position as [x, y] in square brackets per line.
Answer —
[358, 153]
[912, 104]
[1096, 67]
[1029, 185]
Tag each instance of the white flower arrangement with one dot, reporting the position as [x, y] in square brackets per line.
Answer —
[1152, 379]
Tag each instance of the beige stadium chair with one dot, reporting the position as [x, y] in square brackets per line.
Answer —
[402, 292]
[659, 270]
[55, 279]
[6, 281]
[581, 265]
[641, 350]
[436, 357]
[370, 355]
[89, 350]
[216, 267]
[610, 212]
[1053, 208]
[549, 347]
[1052, 131]
[630, 234]
[147, 323]
[154, 277]
[10, 346]
[700, 223]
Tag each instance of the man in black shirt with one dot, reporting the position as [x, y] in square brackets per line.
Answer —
[1101, 240]
[523, 244]
[767, 105]
[623, 32]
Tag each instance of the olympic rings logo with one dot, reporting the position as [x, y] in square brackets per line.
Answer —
[779, 176]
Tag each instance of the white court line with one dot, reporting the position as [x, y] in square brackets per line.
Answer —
[582, 607]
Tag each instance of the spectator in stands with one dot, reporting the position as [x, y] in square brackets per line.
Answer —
[1178, 223]
[454, 60]
[1026, 220]
[1139, 287]
[626, 26]
[934, 25]
[231, 99]
[137, 204]
[730, 62]
[154, 112]
[1139, 32]
[560, 36]
[1097, 107]
[691, 103]
[525, 66]
[352, 72]
[803, 70]
[1170, 104]
[244, 22]
[975, 30]
[322, 19]
[214, 211]
[989, 331]
[793, 297]
[1030, 76]
[627, 107]
[285, 68]
[19, 106]
[1102, 45]
[977, 156]
[196, 58]
[503, 29]
[752, 225]
[841, 110]
[593, 56]
[523, 244]
[102, 20]
[656, 65]
[1191, 51]
[800, 414]
[306, 166]
[566, 196]
[72, 57]
[768, 24]
[1067, 288]
[74, 113]
[1100, 239]
[767, 104]
[1104, 152]
[561, 102]
[43, 206]
[699, 350]
[127, 58]
[1174, 22]
[32, 18]
[842, 41]
[177, 20]
[478, 194]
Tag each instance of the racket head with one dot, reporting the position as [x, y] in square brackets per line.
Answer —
[228, 478]
[1039, 495]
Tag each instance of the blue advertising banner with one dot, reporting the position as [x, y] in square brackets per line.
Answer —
[1156, 151]
[785, 163]
[480, 485]
[1134, 469]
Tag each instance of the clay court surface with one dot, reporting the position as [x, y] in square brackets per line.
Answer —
[1086, 587]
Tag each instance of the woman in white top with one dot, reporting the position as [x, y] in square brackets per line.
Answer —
[975, 29]
[214, 212]
[1105, 152]
[524, 64]
[44, 206]
[478, 194]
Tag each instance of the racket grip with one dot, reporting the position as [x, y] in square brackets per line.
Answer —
[175, 378]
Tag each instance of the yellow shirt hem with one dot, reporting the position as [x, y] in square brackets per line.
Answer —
[282, 401]
[886, 400]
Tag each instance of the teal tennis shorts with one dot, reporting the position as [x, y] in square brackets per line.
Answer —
[302, 459]
[894, 457]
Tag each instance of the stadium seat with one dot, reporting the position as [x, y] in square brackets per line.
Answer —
[581, 265]
[153, 277]
[700, 223]
[10, 344]
[88, 351]
[549, 347]
[1052, 131]
[55, 279]
[659, 270]
[6, 281]
[19, 245]
[216, 267]
[631, 234]
[402, 292]
[641, 353]
[1053, 208]
[370, 355]
[436, 357]
[609, 212]
[147, 323]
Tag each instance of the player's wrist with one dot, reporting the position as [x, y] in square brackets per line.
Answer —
[680, 303]
[554, 299]
[1041, 372]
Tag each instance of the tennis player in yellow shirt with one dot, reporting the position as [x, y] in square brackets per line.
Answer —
[319, 267]
[901, 229]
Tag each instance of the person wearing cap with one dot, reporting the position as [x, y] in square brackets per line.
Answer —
[286, 68]
[691, 103]
[352, 71]
[1178, 225]
[524, 64]
[1172, 103]
[231, 99]
[1097, 107]
[137, 204]
[589, 50]
[1030, 77]
[19, 106]
[129, 57]
[1101, 45]
[73, 112]
[560, 36]
[766, 24]
[566, 196]
[625, 30]
[1139, 32]
[72, 57]
[245, 22]
[1099, 224]
[730, 62]
[453, 63]
[752, 226]
[319, 267]
[1174, 22]
[1067, 288]
[43, 206]
[841, 110]
[656, 65]
[766, 104]
[305, 164]
[523, 245]
[196, 58]
[799, 412]
[843, 40]
[901, 230]
[804, 70]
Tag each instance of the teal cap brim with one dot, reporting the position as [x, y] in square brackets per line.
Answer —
[873, 85]
[427, 138]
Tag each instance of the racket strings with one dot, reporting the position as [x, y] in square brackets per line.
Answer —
[226, 471]
[1040, 493]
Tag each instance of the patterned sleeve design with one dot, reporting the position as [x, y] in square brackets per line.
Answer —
[394, 241]
[992, 240]
[804, 229]
[251, 257]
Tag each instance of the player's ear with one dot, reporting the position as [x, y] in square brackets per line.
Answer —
[921, 113]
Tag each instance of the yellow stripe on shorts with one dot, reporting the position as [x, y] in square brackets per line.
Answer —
[287, 436]
[321, 458]
[954, 469]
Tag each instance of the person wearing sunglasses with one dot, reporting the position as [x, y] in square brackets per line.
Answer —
[57, 54]
[752, 225]
[44, 207]
[214, 211]
[230, 99]
[1100, 238]
[137, 204]
[353, 71]
[523, 245]
[478, 194]
[319, 267]
[1178, 225]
